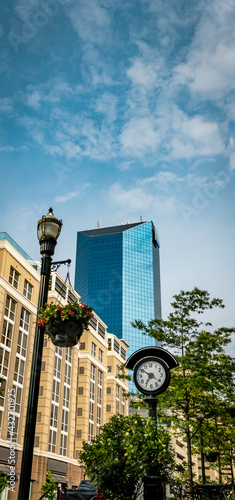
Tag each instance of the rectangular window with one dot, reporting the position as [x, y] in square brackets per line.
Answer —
[108, 390]
[36, 442]
[93, 322]
[123, 402]
[80, 391]
[81, 370]
[19, 370]
[71, 297]
[24, 319]
[54, 415]
[79, 412]
[8, 323]
[117, 398]
[65, 420]
[116, 346]
[109, 344]
[4, 361]
[109, 369]
[93, 349]
[57, 367]
[60, 287]
[101, 330]
[56, 391]
[67, 375]
[82, 346]
[14, 277]
[28, 290]
[63, 444]
[2, 392]
[108, 408]
[79, 434]
[123, 353]
[52, 441]
[39, 415]
[101, 355]
[41, 390]
[66, 396]
[69, 354]
[22, 343]
[58, 350]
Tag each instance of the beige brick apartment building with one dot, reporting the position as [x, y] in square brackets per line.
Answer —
[79, 390]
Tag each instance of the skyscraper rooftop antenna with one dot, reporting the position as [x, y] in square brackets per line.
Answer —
[141, 218]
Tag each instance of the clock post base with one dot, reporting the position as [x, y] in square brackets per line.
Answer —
[154, 488]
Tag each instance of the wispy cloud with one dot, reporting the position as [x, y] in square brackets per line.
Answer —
[6, 104]
[65, 197]
[139, 137]
[209, 67]
[163, 178]
[136, 199]
[11, 149]
[73, 194]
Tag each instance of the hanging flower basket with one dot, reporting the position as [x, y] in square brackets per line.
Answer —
[64, 325]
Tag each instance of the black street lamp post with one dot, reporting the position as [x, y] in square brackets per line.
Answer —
[152, 402]
[48, 231]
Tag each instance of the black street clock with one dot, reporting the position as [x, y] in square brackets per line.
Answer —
[151, 375]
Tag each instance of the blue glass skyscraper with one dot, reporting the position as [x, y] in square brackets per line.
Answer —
[118, 275]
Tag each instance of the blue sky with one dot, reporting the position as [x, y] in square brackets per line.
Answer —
[114, 110]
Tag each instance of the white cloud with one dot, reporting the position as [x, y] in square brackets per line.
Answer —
[53, 149]
[90, 20]
[70, 149]
[132, 199]
[34, 100]
[66, 197]
[139, 137]
[143, 74]
[11, 149]
[209, 68]
[124, 165]
[195, 137]
[6, 104]
[232, 161]
[163, 178]
[107, 106]
[137, 199]
[72, 194]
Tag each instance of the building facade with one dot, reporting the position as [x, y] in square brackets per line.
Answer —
[118, 274]
[79, 390]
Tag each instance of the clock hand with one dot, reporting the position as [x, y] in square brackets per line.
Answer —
[144, 371]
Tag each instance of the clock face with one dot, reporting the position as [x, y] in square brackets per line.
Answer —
[151, 375]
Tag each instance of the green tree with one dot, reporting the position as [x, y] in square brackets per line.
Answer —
[49, 487]
[3, 481]
[126, 450]
[204, 377]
